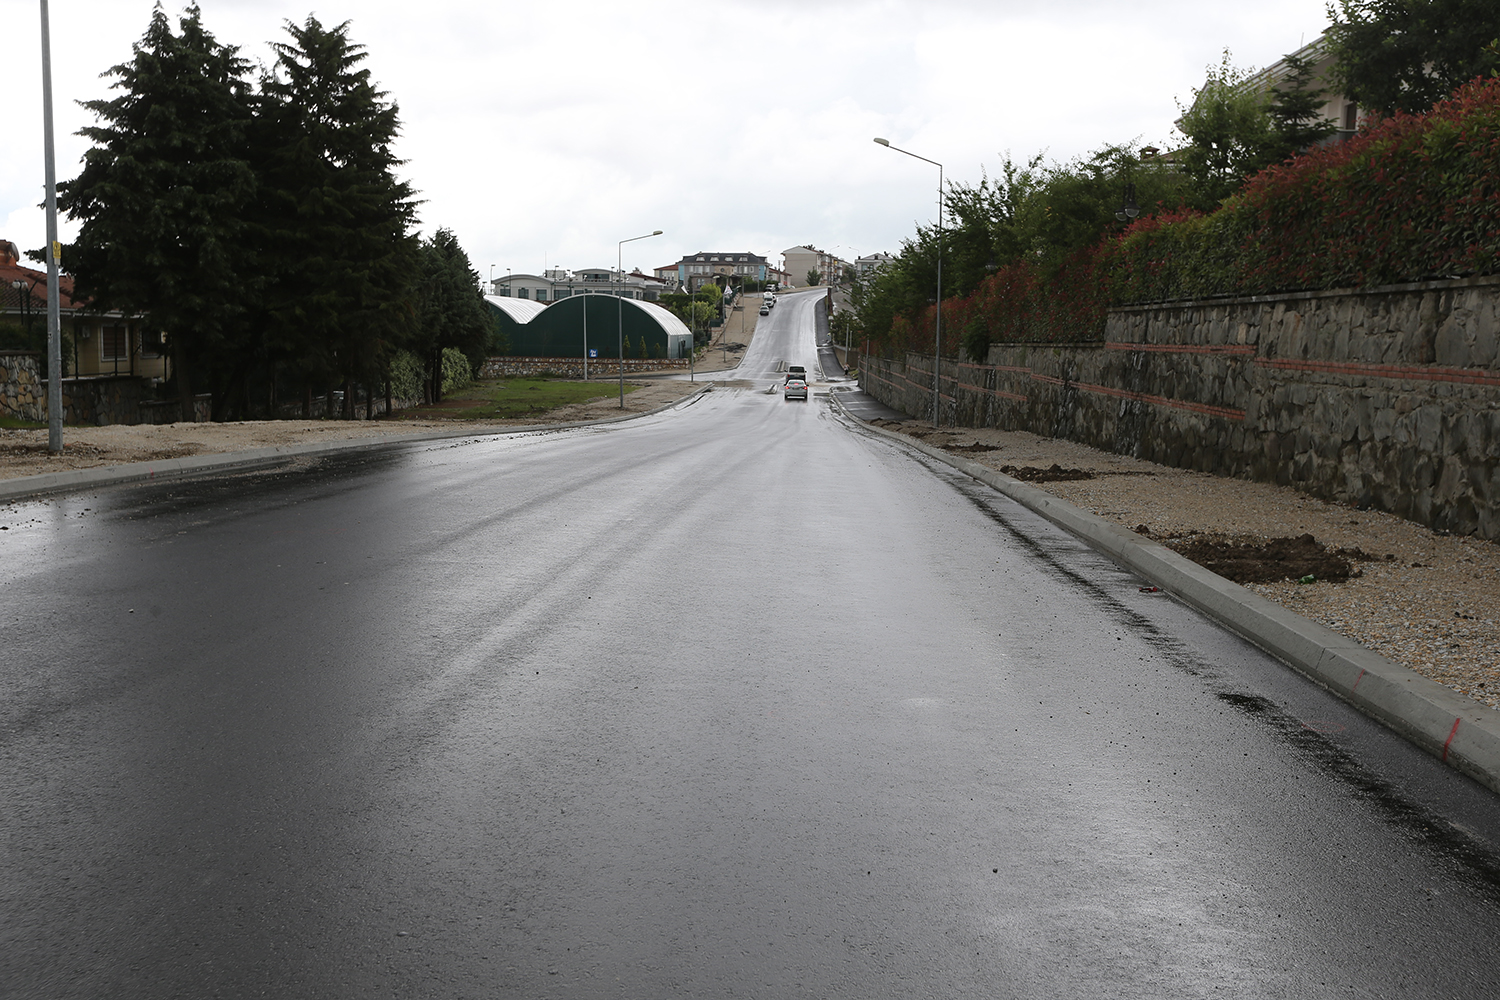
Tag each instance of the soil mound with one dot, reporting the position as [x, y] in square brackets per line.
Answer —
[1271, 560]
[1054, 474]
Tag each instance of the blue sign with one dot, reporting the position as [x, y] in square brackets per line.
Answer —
[593, 352]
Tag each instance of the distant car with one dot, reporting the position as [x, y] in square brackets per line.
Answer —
[765, 310]
[795, 388]
[796, 371]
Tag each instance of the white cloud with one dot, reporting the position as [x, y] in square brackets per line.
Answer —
[548, 132]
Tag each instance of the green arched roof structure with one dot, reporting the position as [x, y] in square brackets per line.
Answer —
[557, 329]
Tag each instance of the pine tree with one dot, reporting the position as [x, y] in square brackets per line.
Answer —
[1296, 111]
[334, 212]
[451, 310]
[162, 199]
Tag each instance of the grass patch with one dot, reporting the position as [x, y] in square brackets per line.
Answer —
[516, 397]
[17, 424]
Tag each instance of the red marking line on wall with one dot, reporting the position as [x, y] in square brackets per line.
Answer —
[1233, 349]
[1226, 412]
[1425, 373]
[1356, 682]
[998, 368]
[1451, 733]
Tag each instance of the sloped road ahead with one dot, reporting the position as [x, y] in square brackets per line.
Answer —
[488, 720]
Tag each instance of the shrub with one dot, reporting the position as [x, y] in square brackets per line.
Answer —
[407, 376]
[456, 371]
[1414, 197]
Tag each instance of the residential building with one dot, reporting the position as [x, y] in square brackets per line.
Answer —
[697, 269]
[560, 283]
[866, 267]
[94, 342]
[1337, 108]
[801, 259]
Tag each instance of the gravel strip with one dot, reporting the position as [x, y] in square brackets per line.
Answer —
[24, 452]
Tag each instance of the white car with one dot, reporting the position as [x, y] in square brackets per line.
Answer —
[794, 388]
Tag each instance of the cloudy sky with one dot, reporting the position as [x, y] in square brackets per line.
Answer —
[543, 133]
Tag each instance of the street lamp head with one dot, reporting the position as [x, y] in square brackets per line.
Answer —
[657, 233]
[884, 142]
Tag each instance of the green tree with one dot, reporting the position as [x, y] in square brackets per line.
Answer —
[1229, 131]
[163, 196]
[814, 277]
[1406, 55]
[451, 314]
[1296, 111]
[343, 300]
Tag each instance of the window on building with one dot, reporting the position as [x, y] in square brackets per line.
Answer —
[541, 295]
[151, 344]
[523, 293]
[112, 343]
[561, 293]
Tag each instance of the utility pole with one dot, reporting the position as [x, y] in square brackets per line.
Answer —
[54, 255]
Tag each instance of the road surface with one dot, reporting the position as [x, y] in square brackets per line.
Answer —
[493, 718]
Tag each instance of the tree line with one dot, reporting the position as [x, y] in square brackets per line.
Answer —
[1390, 57]
[259, 224]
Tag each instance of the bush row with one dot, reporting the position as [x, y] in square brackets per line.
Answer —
[1412, 198]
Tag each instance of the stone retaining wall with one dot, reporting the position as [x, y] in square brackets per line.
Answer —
[104, 399]
[23, 395]
[1387, 397]
[169, 411]
[97, 400]
[573, 367]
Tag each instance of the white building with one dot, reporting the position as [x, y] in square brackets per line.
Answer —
[865, 267]
[560, 283]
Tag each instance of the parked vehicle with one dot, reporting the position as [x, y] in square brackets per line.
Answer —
[765, 310]
[795, 388]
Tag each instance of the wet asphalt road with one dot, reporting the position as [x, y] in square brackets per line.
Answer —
[492, 719]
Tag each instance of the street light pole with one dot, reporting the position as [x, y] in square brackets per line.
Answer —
[937, 336]
[54, 253]
[620, 304]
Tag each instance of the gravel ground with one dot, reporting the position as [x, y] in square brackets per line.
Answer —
[24, 452]
[1432, 605]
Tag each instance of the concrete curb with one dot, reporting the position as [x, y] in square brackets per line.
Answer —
[255, 458]
[1458, 730]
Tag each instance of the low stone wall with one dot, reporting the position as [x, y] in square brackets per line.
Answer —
[573, 367]
[169, 411]
[1387, 397]
[96, 400]
[23, 395]
[104, 399]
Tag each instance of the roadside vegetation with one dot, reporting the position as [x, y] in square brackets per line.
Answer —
[510, 398]
[255, 216]
[1253, 199]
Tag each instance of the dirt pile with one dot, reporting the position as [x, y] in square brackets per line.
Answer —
[1302, 558]
[1054, 474]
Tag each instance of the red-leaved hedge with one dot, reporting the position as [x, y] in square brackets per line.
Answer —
[1412, 198]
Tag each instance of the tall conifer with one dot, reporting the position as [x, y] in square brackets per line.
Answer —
[337, 217]
[451, 310]
[162, 197]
